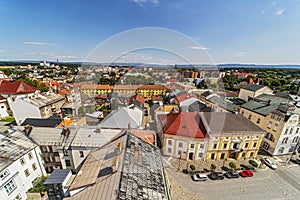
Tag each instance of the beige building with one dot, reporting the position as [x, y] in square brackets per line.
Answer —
[251, 91]
[279, 118]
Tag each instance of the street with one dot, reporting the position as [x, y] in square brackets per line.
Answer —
[265, 184]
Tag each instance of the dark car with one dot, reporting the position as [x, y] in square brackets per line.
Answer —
[216, 176]
[232, 174]
[296, 161]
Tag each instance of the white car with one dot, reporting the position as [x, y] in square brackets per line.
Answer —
[269, 163]
[199, 177]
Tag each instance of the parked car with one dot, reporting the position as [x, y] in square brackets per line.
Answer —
[216, 176]
[269, 163]
[231, 174]
[246, 173]
[199, 177]
[294, 160]
[246, 167]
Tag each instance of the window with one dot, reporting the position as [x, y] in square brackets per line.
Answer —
[30, 156]
[201, 146]
[258, 121]
[291, 131]
[180, 144]
[284, 141]
[281, 150]
[243, 155]
[250, 116]
[4, 174]
[27, 173]
[269, 125]
[34, 166]
[251, 154]
[297, 131]
[18, 197]
[212, 156]
[10, 186]
[22, 161]
[246, 145]
[179, 152]
[81, 154]
[275, 127]
[295, 139]
[286, 131]
[50, 148]
[254, 144]
[225, 146]
[169, 150]
[222, 156]
[68, 163]
[192, 146]
[200, 155]
[169, 142]
[215, 146]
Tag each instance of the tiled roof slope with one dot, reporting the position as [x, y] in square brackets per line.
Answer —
[228, 122]
[15, 87]
[138, 175]
[187, 124]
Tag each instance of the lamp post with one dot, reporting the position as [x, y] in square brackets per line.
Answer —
[179, 161]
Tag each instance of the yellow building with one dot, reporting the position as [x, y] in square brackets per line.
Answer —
[231, 136]
[93, 90]
[152, 90]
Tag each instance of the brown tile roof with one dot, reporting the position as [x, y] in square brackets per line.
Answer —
[228, 122]
[15, 87]
[187, 124]
[126, 87]
[139, 98]
[146, 135]
[183, 97]
[96, 87]
[157, 98]
[152, 87]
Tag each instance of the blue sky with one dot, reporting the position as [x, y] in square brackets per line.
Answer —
[243, 31]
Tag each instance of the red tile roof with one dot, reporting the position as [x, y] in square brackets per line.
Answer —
[183, 97]
[187, 124]
[140, 98]
[15, 87]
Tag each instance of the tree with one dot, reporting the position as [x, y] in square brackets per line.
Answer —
[232, 165]
[213, 166]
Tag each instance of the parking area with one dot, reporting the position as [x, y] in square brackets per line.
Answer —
[282, 183]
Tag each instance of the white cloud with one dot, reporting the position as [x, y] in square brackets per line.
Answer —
[280, 11]
[65, 57]
[31, 53]
[198, 48]
[1, 50]
[262, 12]
[274, 3]
[40, 43]
[242, 54]
[142, 2]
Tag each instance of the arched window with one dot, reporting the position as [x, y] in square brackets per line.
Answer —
[284, 141]
[281, 150]
[295, 139]
[272, 138]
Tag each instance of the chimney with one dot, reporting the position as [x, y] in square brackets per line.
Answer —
[114, 164]
[98, 129]
[129, 126]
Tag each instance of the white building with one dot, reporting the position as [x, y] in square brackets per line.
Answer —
[20, 164]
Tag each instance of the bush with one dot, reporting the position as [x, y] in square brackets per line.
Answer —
[213, 166]
[253, 163]
[232, 165]
[192, 167]
[38, 185]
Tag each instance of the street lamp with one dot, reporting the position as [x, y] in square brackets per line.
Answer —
[180, 153]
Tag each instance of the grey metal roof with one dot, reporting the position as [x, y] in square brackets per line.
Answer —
[139, 173]
[264, 104]
[229, 123]
[13, 145]
[253, 87]
[44, 99]
[228, 105]
[57, 176]
[119, 119]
